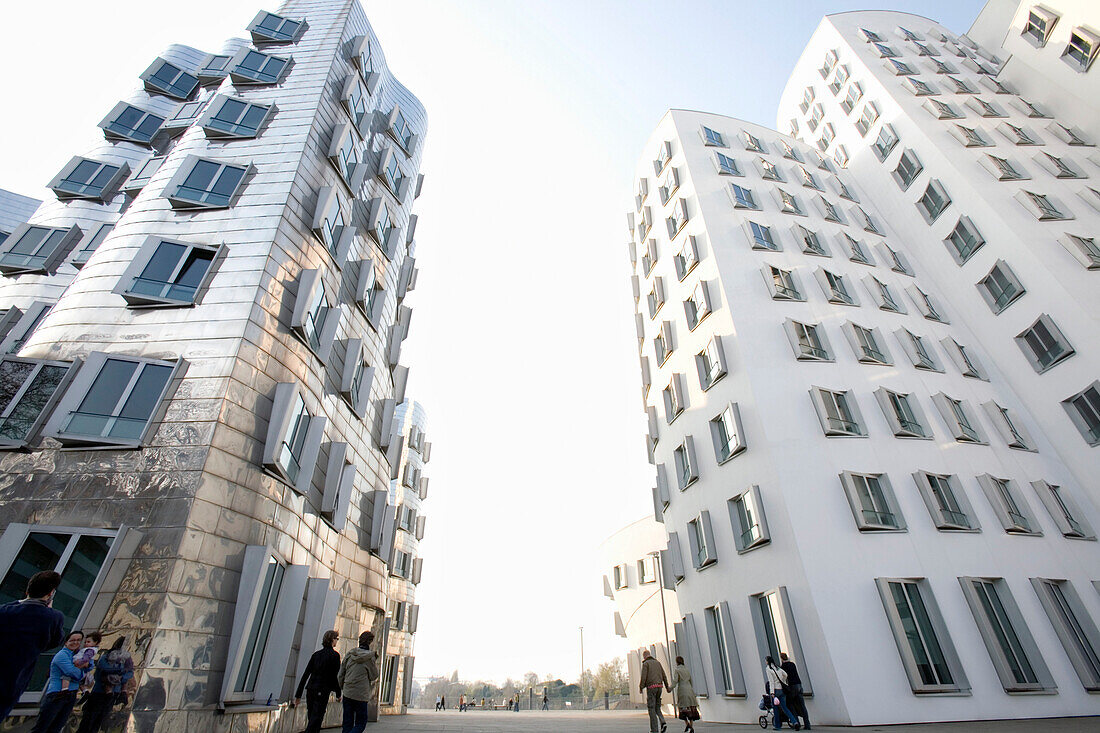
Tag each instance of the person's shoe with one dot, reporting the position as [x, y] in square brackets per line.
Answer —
[664, 727]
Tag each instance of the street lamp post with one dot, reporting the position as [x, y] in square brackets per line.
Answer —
[664, 617]
[584, 697]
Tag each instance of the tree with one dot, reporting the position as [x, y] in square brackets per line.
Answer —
[611, 678]
[588, 683]
[530, 679]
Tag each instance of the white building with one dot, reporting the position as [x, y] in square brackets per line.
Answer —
[201, 341]
[645, 610]
[857, 463]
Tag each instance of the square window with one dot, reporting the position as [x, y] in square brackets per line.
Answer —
[868, 344]
[946, 501]
[1043, 207]
[711, 137]
[934, 201]
[958, 416]
[727, 434]
[964, 240]
[925, 304]
[836, 288]
[84, 178]
[776, 634]
[711, 363]
[762, 237]
[789, 203]
[1040, 22]
[909, 167]
[687, 258]
[873, 503]
[920, 352]
[214, 68]
[752, 143]
[656, 297]
[113, 401]
[1083, 409]
[268, 28]
[885, 142]
[726, 165]
[885, 297]
[18, 326]
[750, 528]
[143, 174]
[89, 244]
[663, 344]
[921, 88]
[1009, 505]
[687, 471]
[810, 242]
[29, 388]
[742, 197]
[166, 272]
[1044, 345]
[903, 413]
[1081, 49]
[253, 68]
[1000, 288]
[857, 252]
[206, 184]
[1067, 516]
[129, 123]
[170, 80]
[235, 119]
[355, 98]
[781, 283]
[345, 154]
[1003, 168]
[314, 320]
[361, 53]
[1018, 135]
[971, 137]
[808, 341]
[838, 413]
[36, 249]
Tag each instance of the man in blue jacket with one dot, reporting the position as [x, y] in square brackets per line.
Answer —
[27, 628]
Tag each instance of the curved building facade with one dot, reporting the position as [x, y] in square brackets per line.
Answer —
[843, 470]
[201, 364]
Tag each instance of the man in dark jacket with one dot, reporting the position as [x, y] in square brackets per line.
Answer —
[318, 681]
[653, 678]
[27, 628]
[795, 701]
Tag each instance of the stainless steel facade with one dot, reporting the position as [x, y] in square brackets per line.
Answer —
[180, 537]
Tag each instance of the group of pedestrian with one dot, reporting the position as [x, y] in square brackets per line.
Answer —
[350, 678]
[784, 687]
[80, 673]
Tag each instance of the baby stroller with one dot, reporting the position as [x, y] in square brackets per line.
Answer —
[767, 704]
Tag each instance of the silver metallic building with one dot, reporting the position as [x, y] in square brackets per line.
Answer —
[200, 369]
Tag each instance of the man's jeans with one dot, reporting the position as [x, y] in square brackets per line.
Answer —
[786, 711]
[355, 715]
[54, 712]
[797, 703]
[653, 703]
[316, 707]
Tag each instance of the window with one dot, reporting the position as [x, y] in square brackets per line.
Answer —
[829, 65]
[113, 401]
[663, 343]
[618, 574]
[83, 178]
[872, 501]
[789, 204]
[214, 68]
[1040, 22]
[332, 226]
[126, 122]
[868, 345]
[1004, 169]
[1044, 345]
[184, 115]
[357, 377]
[647, 571]
[1068, 135]
[781, 283]
[701, 541]
[687, 258]
[1083, 409]
[885, 51]
[81, 556]
[871, 37]
[1011, 647]
[1009, 426]
[649, 258]
[840, 155]
[362, 56]
[89, 244]
[355, 98]
[885, 297]
[828, 132]
[897, 260]
[923, 642]
[885, 142]
[742, 197]
[314, 320]
[669, 185]
[900, 68]
[1017, 135]
[675, 398]
[1041, 206]
[1058, 166]
[919, 352]
[1000, 288]
[36, 249]
[807, 99]
[727, 433]
[400, 129]
[641, 192]
[294, 437]
[143, 174]
[856, 251]
[964, 240]
[1081, 49]
[205, 184]
[789, 152]
[233, 118]
[664, 154]
[382, 228]
[961, 87]
[345, 155]
[837, 412]
[934, 201]
[855, 93]
[775, 629]
[698, 305]
[270, 28]
[752, 143]
[678, 218]
[167, 273]
[842, 75]
[946, 501]
[710, 137]
[726, 165]
[683, 458]
[920, 88]
[942, 110]
[768, 170]
[808, 341]
[808, 179]
[1009, 505]
[903, 413]
[249, 67]
[867, 118]
[370, 295]
[941, 67]
[810, 241]
[957, 415]
[656, 297]
[724, 658]
[28, 391]
[711, 363]
[972, 137]
[1074, 627]
[1067, 516]
[20, 326]
[762, 237]
[170, 80]
[750, 529]
[836, 290]
[925, 304]
[828, 211]
[909, 167]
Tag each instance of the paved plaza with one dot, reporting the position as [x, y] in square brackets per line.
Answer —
[632, 721]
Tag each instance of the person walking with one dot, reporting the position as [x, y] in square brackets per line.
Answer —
[686, 702]
[653, 678]
[358, 671]
[777, 681]
[437, 699]
[27, 628]
[545, 700]
[319, 680]
[112, 673]
[795, 700]
[57, 699]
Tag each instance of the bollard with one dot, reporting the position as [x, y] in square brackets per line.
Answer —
[606, 701]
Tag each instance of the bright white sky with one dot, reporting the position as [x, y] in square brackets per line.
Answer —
[522, 347]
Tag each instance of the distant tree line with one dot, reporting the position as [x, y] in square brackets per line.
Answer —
[609, 677]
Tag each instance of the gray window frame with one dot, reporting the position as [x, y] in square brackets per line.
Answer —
[172, 190]
[112, 133]
[340, 474]
[279, 428]
[701, 541]
[735, 443]
[787, 630]
[933, 622]
[963, 227]
[56, 425]
[1090, 398]
[790, 290]
[336, 238]
[724, 656]
[89, 243]
[744, 538]
[1075, 628]
[913, 169]
[923, 356]
[852, 426]
[685, 264]
[863, 352]
[145, 254]
[1064, 511]
[142, 174]
[35, 426]
[1017, 519]
[686, 475]
[205, 120]
[964, 428]
[308, 283]
[873, 519]
[915, 425]
[1005, 297]
[23, 325]
[1053, 331]
[171, 91]
[960, 518]
[934, 201]
[802, 336]
[702, 361]
[758, 243]
[240, 79]
[356, 377]
[103, 194]
[261, 38]
[370, 293]
[47, 263]
[1009, 426]
[847, 297]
